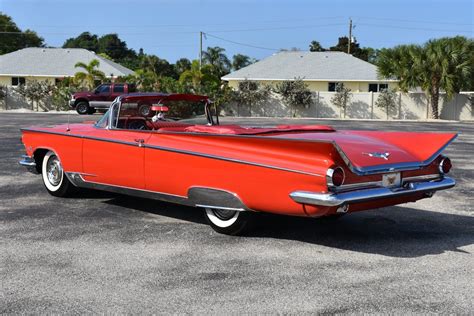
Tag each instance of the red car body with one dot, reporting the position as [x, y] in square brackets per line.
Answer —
[293, 170]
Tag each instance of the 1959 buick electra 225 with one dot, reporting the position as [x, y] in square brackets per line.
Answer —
[233, 171]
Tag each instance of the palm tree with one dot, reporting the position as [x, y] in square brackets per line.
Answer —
[90, 75]
[240, 61]
[216, 57]
[316, 46]
[446, 64]
[195, 77]
[442, 64]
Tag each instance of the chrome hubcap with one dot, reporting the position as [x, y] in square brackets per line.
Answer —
[224, 214]
[54, 171]
[82, 108]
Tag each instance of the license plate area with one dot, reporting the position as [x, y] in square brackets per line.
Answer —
[391, 180]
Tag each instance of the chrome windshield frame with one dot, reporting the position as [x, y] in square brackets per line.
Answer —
[118, 103]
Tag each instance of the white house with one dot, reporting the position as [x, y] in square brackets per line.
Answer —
[51, 64]
[320, 70]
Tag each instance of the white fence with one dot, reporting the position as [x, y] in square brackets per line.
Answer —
[414, 106]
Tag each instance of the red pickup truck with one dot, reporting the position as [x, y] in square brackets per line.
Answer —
[87, 102]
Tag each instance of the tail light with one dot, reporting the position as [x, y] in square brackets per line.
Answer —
[445, 165]
[335, 177]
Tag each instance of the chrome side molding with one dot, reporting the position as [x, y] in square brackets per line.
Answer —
[197, 196]
[364, 195]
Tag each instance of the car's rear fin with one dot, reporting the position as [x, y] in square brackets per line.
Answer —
[382, 152]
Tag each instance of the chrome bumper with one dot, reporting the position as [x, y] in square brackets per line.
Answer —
[335, 199]
[72, 103]
[29, 163]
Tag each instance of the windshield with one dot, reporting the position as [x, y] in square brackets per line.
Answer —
[157, 115]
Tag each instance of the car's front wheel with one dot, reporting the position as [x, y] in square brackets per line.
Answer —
[54, 178]
[82, 108]
[228, 222]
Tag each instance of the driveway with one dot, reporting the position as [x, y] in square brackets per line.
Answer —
[107, 253]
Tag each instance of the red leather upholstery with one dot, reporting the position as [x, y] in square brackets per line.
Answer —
[165, 124]
[239, 130]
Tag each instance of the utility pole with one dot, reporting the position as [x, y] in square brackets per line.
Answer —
[200, 50]
[350, 37]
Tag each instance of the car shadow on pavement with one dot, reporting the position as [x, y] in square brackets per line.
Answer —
[180, 212]
[393, 231]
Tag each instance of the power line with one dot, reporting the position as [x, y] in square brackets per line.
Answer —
[213, 31]
[242, 44]
[182, 25]
[277, 28]
[412, 21]
[413, 28]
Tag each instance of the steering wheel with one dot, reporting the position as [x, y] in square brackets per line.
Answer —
[138, 124]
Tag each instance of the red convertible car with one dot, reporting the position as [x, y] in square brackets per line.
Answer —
[233, 171]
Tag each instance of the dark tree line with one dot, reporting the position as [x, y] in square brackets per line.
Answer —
[365, 53]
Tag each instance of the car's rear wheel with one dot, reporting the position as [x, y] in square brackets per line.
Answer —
[82, 108]
[228, 222]
[54, 178]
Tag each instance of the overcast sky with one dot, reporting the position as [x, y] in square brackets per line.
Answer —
[170, 29]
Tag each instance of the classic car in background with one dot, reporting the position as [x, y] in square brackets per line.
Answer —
[233, 171]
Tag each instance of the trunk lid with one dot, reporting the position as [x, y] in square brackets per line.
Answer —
[367, 152]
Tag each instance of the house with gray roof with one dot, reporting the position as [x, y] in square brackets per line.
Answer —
[51, 64]
[321, 71]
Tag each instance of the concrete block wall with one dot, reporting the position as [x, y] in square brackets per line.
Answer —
[413, 106]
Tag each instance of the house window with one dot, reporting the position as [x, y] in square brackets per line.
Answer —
[332, 86]
[377, 87]
[16, 81]
[119, 88]
[373, 87]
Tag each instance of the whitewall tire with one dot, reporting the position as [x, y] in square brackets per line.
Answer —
[227, 222]
[54, 179]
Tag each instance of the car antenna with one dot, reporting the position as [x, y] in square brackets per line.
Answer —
[67, 128]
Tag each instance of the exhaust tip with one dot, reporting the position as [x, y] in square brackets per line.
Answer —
[343, 209]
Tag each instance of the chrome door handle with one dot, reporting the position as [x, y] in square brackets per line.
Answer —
[140, 141]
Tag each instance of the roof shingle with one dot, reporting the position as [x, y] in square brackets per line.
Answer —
[54, 62]
[323, 66]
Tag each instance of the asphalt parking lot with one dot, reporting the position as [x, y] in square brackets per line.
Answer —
[106, 253]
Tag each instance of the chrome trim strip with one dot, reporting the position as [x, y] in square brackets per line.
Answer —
[360, 185]
[335, 199]
[180, 151]
[422, 178]
[221, 207]
[372, 184]
[80, 182]
[197, 196]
